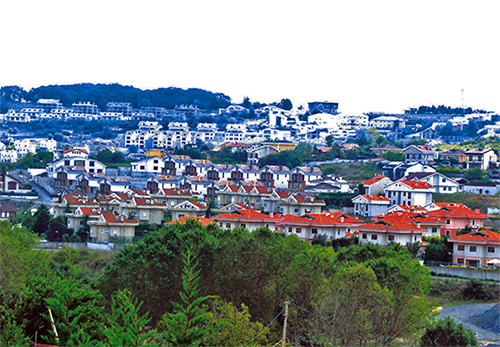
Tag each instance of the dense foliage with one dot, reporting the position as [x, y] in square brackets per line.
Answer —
[208, 272]
[446, 332]
[101, 94]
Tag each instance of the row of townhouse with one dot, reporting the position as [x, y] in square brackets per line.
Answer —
[483, 158]
[269, 176]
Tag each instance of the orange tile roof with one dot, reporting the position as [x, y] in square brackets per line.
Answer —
[416, 184]
[78, 200]
[456, 210]
[110, 217]
[409, 217]
[91, 211]
[480, 236]
[410, 208]
[247, 214]
[375, 197]
[373, 180]
[392, 227]
[182, 220]
[176, 192]
[67, 150]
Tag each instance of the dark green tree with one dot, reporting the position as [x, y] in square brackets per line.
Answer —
[185, 326]
[42, 220]
[125, 322]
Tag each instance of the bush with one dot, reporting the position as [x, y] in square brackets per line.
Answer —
[446, 332]
[476, 290]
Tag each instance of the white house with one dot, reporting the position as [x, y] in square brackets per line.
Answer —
[441, 184]
[409, 193]
[370, 205]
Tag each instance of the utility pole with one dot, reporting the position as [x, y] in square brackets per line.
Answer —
[283, 340]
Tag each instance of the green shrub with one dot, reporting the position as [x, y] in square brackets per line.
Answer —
[476, 290]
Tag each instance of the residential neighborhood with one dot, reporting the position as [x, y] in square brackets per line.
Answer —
[158, 185]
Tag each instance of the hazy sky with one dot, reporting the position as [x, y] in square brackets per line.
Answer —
[366, 55]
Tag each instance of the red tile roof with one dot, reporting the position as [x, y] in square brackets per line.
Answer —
[480, 236]
[373, 180]
[375, 197]
[416, 184]
[392, 227]
[247, 214]
[78, 200]
[177, 192]
[182, 220]
[67, 150]
[110, 217]
[456, 210]
[91, 211]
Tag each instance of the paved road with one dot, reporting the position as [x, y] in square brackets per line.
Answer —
[463, 313]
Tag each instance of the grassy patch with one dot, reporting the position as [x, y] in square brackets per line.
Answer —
[354, 173]
[450, 291]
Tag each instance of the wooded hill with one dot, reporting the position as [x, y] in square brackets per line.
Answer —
[101, 94]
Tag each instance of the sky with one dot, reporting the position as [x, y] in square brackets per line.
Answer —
[369, 56]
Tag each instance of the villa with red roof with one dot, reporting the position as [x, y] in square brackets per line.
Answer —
[420, 154]
[110, 226]
[145, 210]
[384, 233]
[409, 193]
[421, 220]
[476, 248]
[249, 219]
[334, 225]
[370, 205]
[375, 185]
[456, 216]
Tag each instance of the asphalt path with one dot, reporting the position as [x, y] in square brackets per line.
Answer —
[463, 314]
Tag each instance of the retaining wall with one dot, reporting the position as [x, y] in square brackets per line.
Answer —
[467, 272]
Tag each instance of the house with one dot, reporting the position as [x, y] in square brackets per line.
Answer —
[334, 225]
[76, 157]
[420, 219]
[70, 202]
[370, 205]
[111, 227]
[482, 158]
[441, 184]
[328, 184]
[274, 176]
[384, 233]
[76, 219]
[384, 148]
[10, 184]
[475, 248]
[456, 216]
[7, 211]
[396, 170]
[454, 155]
[409, 193]
[420, 154]
[147, 166]
[375, 185]
[481, 188]
[284, 202]
[257, 152]
[172, 196]
[248, 218]
[301, 176]
[145, 210]
[189, 209]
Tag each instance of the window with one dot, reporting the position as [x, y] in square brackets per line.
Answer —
[434, 230]
[472, 248]
[228, 225]
[290, 229]
[91, 163]
[448, 221]
[460, 248]
[460, 260]
[314, 231]
[105, 231]
[243, 225]
[409, 195]
[374, 236]
[391, 237]
[491, 249]
[219, 223]
[296, 210]
[364, 236]
[142, 167]
[338, 231]
[298, 230]
[66, 163]
[155, 168]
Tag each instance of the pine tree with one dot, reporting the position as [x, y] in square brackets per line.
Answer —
[185, 326]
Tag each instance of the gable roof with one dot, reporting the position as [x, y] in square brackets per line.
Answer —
[374, 198]
[373, 180]
[110, 217]
[477, 236]
[452, 209]
[247, 214]
[183, 220]
[396, 227]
